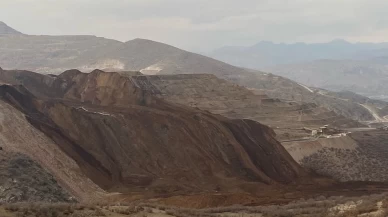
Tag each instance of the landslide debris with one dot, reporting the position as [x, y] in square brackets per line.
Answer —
[125, 139]
[219, 96]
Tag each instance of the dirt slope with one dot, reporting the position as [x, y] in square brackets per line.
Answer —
[203, 91]
[23, 180]
[6, 30]
[17, 135]
[286, 89]
[125, 139]
[219, 96]
[54, 54]
[361, 156]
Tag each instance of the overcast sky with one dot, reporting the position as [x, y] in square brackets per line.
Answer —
[202, 25]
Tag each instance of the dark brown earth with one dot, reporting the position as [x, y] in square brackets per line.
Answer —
[126, 140]
[209, 93]
[135, 143]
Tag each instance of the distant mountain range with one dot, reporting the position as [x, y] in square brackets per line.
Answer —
[337, 65]
[368, 78]
[267, 54]
[54, 54]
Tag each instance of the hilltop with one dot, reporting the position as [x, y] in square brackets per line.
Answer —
[6, 30]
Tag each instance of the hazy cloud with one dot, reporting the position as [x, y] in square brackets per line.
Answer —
[203, 24]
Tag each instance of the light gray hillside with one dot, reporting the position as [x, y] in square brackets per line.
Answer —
[6, 30]
[54, 54]
[364, 77]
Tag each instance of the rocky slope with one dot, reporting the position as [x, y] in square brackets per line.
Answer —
[125, 139]
[366, 77]
[209, 93]
[218, 96]
[17, 135]
[23, 180]
[360, 156]
[283, 88]
[266, 54]
[54, 54]
[363, 160]
[337, 65]
[6, 30]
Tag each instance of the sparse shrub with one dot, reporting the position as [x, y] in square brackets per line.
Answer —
[12, 207]
[367, 207]
[170, 212]
[78, 215]
[99, 212]
[148, 210]
[127, 210]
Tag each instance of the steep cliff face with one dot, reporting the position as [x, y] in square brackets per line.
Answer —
[125, 139]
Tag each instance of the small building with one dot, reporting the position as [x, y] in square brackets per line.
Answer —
[324, 130]
[313, 132]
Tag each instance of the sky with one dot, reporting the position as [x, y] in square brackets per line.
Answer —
[203, 25]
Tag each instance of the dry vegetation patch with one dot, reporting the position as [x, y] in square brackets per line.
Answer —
[365, 206]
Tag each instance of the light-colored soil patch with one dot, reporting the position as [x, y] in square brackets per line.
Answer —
[301, 149]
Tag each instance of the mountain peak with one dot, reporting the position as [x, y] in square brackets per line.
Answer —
[6, 30]
[144, 41]
[339, 41]
[261, 43]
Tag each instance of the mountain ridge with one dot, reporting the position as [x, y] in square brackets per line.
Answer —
[267, 54]
[55, 54]
[337, 65]
[7, 30]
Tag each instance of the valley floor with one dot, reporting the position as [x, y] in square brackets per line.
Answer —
[373, 206]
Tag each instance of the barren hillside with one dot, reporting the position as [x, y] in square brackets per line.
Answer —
[219, 96]
[54, 54]
[6, 30]
[126, 140]
[23, 180]
[361, 156]
[367, 77]
[17, 135]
